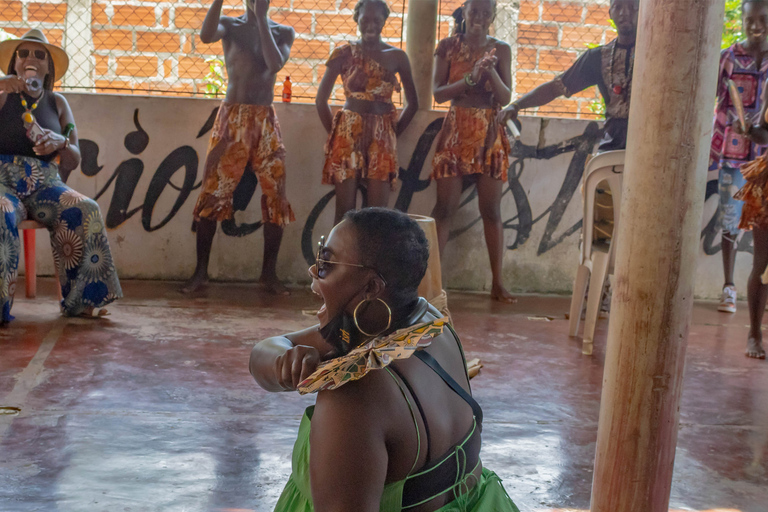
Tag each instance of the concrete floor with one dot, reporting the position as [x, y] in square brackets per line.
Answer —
[154, 409]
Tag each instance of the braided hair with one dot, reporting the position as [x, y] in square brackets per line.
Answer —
[459, 23]
[362, 3]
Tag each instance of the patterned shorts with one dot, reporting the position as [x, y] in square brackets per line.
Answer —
[729, 181]
[471, 141]
[244, 136]
[362, 146]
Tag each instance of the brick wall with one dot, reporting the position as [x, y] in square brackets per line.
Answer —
[157, 46]
[152, 46]
[551, 35]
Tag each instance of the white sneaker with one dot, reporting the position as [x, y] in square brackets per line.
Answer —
[728, 300]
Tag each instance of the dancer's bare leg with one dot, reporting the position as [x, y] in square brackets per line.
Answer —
[489, 192]
[757, 293]
[206, 229]
[728, 247]
[448, 199]
[346, 198]
[378, 193]
[273, 235]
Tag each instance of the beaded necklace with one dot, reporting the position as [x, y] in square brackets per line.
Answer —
[27, 116]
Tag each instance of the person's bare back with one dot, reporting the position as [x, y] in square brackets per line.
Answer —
[255, 50]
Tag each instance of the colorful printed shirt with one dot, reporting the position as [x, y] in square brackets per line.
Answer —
[609, 67]
[729, 148]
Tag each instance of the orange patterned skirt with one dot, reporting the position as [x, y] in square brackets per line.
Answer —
[244, 136]
[754, 214]
[362, 146]
[471, 141]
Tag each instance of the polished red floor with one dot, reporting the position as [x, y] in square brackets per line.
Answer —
[154, 409]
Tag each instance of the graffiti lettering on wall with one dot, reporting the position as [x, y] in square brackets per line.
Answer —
[125, 179]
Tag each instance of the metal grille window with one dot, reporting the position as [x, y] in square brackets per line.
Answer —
[153, 47]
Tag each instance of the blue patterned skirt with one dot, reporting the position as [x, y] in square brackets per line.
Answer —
[32, 189]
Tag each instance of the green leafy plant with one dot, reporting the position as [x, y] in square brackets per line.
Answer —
[597, 107]
[732, 24]
[215, 80]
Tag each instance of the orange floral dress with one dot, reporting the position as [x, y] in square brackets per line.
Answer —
[471, 140]
[244, 136]
[754, 214]
[362, 145]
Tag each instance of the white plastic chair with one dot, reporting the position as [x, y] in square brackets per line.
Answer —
[597, 258]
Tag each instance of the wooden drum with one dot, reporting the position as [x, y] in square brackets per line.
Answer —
[431, 287]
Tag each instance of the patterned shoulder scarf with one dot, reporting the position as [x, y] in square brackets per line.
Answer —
[373, 355]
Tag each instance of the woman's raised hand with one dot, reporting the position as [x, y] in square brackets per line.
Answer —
[295, 365]
[49, 143]
[12, 83]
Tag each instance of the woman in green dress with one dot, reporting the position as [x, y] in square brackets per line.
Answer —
[395, 426]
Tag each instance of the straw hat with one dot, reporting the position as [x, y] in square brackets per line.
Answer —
[59, 56]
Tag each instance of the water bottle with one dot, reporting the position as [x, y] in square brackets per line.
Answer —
[287, 90]
[34, 131]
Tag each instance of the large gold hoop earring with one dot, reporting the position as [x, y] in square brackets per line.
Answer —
[357, 324]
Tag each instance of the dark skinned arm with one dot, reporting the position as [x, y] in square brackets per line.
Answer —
[213, 30]
[70, 156]
[52, 142]
[411, 98]
[442, 90]
[500, 76]
[347, 437]
[541, 95]
[332, 72]
[274, 55]
[280, 363]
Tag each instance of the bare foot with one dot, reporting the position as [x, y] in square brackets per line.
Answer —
[194, 284]
[755, 348]
[274, 286]
[91, 312]
[499, 293]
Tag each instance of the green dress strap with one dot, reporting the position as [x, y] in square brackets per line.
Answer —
[413, 416]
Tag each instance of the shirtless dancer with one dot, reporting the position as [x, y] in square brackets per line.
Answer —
[246, 135]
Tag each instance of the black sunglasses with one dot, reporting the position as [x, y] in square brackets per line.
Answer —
[322, 266]
[39, 54]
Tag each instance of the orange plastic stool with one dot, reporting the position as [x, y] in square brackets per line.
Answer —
[28, 227]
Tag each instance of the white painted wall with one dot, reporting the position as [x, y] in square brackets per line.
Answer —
[169, 252]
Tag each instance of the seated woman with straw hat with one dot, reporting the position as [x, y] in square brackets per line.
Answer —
[38, 150]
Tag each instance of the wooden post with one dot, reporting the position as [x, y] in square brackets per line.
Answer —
[664, 181]
[420, 39]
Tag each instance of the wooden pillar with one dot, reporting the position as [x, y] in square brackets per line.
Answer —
[420, 40]
[664, 182]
